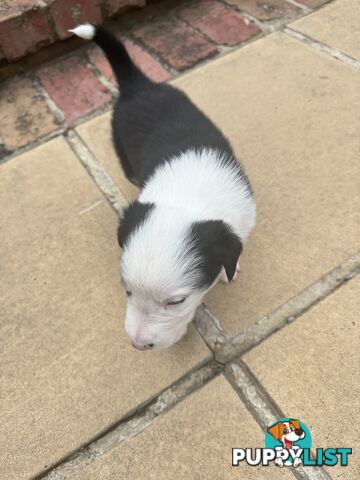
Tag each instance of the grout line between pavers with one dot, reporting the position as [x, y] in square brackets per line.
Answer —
[150, 51]
[272, 25]
[288, 312]
[30, 146]
[97, 171]
[209, 328]
[322, 47]
[133, 424]
[54, 109]
[264, 409]
[99, 75]
[305, 9]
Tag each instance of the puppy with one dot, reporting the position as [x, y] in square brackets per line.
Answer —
[196, 207]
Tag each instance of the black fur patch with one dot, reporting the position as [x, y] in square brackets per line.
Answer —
[134, 215]
[159, 123]
[217, 246]
[154, 122]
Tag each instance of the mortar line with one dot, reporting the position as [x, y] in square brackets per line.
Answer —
[248, 18]
[304, 8]
[97, 172]
[264, 409]
[272, 25]
[30, 146]
[288, 312]
[99, 75]
[322, 47]
[132, 423]
[209, 328]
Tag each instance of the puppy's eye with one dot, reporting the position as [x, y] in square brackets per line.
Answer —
[128, 293]
[176, 302]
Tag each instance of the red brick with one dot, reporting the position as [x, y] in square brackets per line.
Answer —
[67, 14]
[219, 23]
[313, 3]
[175, 42]
[73, 87]
[23, 28]
[98, 59]
[115, 6]
[25, 116]
[265, 10]
[146, 62]
[15, 8]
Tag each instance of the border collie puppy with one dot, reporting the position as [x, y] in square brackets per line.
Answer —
[196, 207]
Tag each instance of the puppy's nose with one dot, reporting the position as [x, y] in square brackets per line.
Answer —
[299, 432]
[149, 346]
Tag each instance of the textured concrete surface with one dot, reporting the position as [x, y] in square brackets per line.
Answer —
[97, 135]
[336, 25]
[68, 370]
[25, 117]
[192, 441]
[312, 369]
[300, 148]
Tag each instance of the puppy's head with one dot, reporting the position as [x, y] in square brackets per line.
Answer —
[169, 262]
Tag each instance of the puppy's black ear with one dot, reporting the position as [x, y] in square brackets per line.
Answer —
[134, 215]
[218, 246]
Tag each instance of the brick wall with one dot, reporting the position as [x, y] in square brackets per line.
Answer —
[28, 25]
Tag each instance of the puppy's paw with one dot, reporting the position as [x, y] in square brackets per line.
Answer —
[238, 266]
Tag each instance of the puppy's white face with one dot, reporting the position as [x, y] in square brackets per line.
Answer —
[167, 266]
[157, 320]
[158, 275]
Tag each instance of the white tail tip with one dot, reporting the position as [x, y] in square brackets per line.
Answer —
[86, 31]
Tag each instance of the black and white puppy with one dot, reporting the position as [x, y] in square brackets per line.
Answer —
[196, 207]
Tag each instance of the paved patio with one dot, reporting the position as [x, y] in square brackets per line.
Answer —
[77, 401]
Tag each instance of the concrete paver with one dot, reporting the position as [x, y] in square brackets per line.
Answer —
[25, 116]
[312, 369]
[96, 133]
[336, 25]
[68, 370]
[194, 440]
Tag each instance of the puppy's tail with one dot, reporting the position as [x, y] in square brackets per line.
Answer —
[128, 75]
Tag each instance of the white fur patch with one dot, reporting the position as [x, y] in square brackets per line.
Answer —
[86, 31]
[205, 187]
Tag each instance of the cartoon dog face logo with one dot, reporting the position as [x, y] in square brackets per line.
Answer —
[287, 433]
